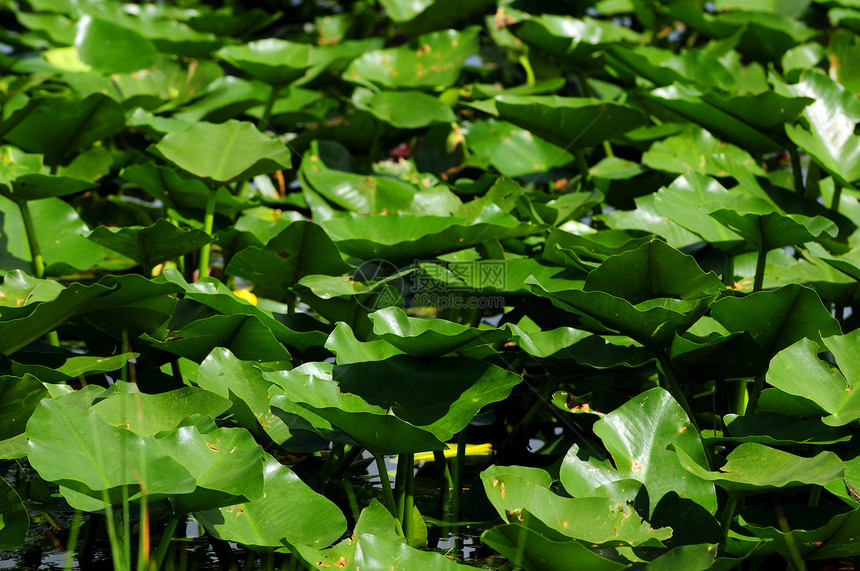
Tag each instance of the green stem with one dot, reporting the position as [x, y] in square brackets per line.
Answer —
[760, 264]
[607, 148]
[267, 110]
[729, 270]
[208, 223]
[729, 514]
[387, 492]
[795, 169]
[408, 496]
[527, 66]
[330, 464]
[447, 481]
[72, 544]
[32, 240]
[837, 195]
[740, 397]
[582, 164]
[814, 496]
[164, 542]
[756, 392]
[400, 488]
[457, 474]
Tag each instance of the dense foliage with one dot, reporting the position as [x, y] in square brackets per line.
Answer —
[584, 271]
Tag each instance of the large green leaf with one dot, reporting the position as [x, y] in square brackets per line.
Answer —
[224, 152]
[98, 457]
[513, 151]
[777, 319]
[754, 122]
[59, 231]
[110, 48]
[755, 467]
[408, 237]
[374, 544]
[24, 177]
[419, 16]
[543, 549]
[763, 225]
[431, 60]
[404, 109]
[426, 337]
[151, 245]
[365, 194]
[14, 520]
[19, 397]
[288, 511]
[274, 61]
[637, 435]
[680, 203]
[301, 249]
[244, 384]
[567, 121]
[599, 521]
[57, 128]
[148, 415]
[798, 371]
[831, 141]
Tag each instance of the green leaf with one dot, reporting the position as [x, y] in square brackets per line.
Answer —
[224, 152]
[110, 48]
[831, 141]
[514, 490]
[404, 109]
[544, 550]
[57, 128]
[762, 225]
[680, 203]
[299, 250]
[182, 193]
[343, 343]
[512, 151]
[19, 397]
[567, 121]
[275, 61]
[357, 192]
[374, 544]
[637, 435]
[244, 335]
[288, 511]
[755, 467]
[777, 319]
[247, 388]
[429, 337]
[798, 371]
[407, 237]
[98, 457]
[419, 16]
[14, 520]
[224, 462]
[148, 415]
[151, 245]
[431, 60]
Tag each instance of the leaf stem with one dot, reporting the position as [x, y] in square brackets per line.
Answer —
[208, 223]
[795, 169]
[457, 474]
[408, 495]
[387, 492]
[837, 196]
[760, 264]
[527, 66]
[740, 397]
[164, 542]
[729, 514]
[267, 110]
[729, 269]
[752, 403]
[582, 164]
[32, 240]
